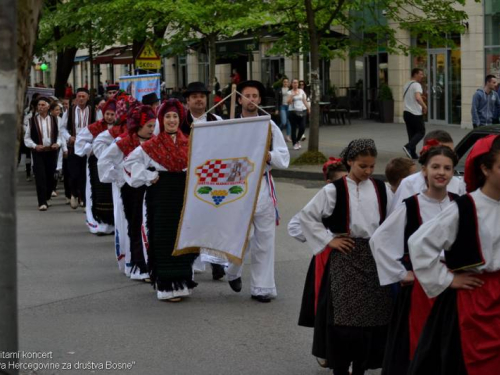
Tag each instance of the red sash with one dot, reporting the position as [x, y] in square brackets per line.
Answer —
[479, 322]
[319, 269]
[420, 308]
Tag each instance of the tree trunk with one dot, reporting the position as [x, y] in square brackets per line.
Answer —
[211, 66]
[65, 64]
[18, 27]
[314, 40]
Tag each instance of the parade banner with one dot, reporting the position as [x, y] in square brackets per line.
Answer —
[226, 165]
[141, 85]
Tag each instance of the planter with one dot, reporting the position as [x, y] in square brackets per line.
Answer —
[386, 110]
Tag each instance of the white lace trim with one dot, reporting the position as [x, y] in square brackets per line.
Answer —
[173, 294]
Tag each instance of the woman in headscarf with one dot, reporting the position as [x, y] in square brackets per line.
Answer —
[141, 123]
[161, 164]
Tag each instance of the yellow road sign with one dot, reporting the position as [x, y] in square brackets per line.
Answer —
[148, 58]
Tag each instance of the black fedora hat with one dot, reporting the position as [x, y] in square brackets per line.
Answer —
[258, 85]
[196, 87]
[150, 99]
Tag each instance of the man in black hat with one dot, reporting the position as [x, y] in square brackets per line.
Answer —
[262, 242]
[77, 117]
[111, 90]
[152, 100]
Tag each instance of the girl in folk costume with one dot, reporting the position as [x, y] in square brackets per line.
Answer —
[333, 170]
[124, 103]
[99, 208]
[389, 246]
[353, 309]
[161, 164]
[462, 334]
[141, 123]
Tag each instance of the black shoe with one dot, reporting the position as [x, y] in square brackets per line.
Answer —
[263, 299]
[236, 285]
[217, 271]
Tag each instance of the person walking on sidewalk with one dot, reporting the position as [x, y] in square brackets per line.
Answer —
[486, 103]
[414, 111]
[298, 107]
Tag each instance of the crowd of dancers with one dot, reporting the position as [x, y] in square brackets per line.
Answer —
[405, 274]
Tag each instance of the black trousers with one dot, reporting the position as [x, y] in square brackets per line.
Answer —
[65, 171]
[415, 127]
[77, 167]
[45, 163]
[133, 199]
[297, 121]
[26, 151]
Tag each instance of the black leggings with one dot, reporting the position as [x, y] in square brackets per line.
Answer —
[297, 120]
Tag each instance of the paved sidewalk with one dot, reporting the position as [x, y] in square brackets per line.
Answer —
[389, 139]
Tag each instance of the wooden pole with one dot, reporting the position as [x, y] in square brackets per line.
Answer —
[233, 100]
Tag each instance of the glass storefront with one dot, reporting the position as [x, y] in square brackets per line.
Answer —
[492, 37]
[442, 67]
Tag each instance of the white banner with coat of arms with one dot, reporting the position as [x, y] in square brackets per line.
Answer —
[226, 166]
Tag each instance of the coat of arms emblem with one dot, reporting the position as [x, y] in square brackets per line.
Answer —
[222, 181]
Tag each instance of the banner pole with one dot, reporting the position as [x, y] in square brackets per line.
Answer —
[233, 100]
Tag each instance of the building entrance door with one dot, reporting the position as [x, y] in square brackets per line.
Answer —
[437, 87]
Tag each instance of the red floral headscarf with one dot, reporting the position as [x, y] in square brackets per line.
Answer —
[173, 155]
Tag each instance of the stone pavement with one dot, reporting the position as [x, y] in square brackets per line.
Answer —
[389, 139]
[75, 305]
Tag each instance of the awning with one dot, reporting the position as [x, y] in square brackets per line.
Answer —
[125, 57]
[107, 56]
[81, 58]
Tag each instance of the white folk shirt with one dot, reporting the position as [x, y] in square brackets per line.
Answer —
[364, 214]
[45, 127]
[84, 141]
[415, 183]
[440, 233]
[81, 119]
[388, 241]
[136, 165]
[102, 142]
[110, 165]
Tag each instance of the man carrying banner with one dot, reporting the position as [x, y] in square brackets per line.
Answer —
[265, 219]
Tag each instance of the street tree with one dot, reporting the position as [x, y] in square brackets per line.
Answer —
[18, 27]
[313, 26]
[214, 20]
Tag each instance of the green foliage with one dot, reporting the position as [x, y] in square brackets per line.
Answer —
[384, 93]
[310, 158]
[204, 190]
[236, 190]
[366, 25]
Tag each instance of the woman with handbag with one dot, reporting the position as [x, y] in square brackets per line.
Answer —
[298, 107]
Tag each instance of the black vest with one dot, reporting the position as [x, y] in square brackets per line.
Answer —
[466, 250]
[338, 222]
[71, 119]
[413, 222]
[37, 136]
[186, 124]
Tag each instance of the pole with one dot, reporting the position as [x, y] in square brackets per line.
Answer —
[233, 100]
[8, 129]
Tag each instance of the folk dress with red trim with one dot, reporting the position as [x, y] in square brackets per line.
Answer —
[319, 264]
[474, 313]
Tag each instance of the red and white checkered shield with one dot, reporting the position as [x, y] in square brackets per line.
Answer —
[222, 181]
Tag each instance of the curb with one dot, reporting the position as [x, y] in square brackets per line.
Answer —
[307, 175]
